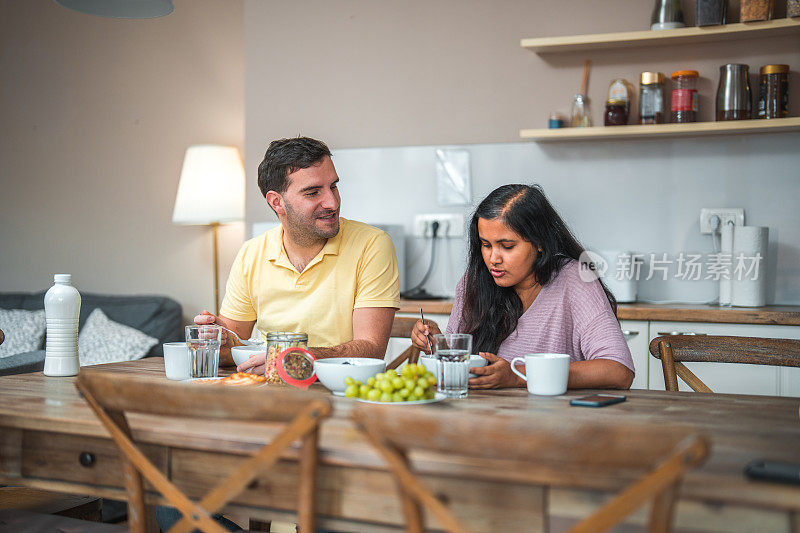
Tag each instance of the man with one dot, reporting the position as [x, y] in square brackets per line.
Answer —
[330, 277]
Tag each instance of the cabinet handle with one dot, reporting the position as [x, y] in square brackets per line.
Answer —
[87, 459]
[629, 334]
[660, 333]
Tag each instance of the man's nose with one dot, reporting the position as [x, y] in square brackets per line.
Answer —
[330, 201]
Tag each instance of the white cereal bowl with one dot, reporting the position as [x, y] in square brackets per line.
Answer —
[431, 363]
[242, 353]
[331, 372]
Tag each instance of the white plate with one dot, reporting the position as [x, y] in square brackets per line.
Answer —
[438, 397]
[204, 379]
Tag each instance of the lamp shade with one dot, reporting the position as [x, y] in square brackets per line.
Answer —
[125, 9]
[211, 189]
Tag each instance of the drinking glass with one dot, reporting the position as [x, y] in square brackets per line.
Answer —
[204, 342]
[452, 350]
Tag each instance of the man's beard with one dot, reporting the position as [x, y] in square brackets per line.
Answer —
[304, 230]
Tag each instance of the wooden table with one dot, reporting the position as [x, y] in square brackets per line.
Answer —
[45, 427]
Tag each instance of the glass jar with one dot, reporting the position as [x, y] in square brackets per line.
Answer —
[711, 12]
[773, 91]
[793, 8]
[616, 113]
[555, 121]
[751, 10]
[579, 115]
[277, 342]
[683, 104]
[651, 98]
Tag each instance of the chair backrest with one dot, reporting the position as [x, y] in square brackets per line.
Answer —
[111, 395]
[665, 453]
[402, 328]
[674, 350]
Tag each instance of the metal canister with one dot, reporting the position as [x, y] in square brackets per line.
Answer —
[734, 97]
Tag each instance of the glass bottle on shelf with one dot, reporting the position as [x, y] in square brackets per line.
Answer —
[579, 115]
[651, 98]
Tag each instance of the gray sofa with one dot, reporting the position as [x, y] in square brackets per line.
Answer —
[158, 316]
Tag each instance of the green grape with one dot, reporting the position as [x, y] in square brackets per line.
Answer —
[351, 391]
[349, 381]
[413, 397]
[398, 383]
[386, 397]
[391, 373]
[386, 386]
[430, 395]
[419, 392]
[371, 382]
[405, 393]
[363, 390]
[396, 397]
[412, 368]
[374, 395]
[432, 381]
[379, 376]
[409, 383]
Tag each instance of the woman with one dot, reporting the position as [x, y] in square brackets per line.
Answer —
[522, 293]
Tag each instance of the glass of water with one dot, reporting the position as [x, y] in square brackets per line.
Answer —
[204, 343]
[452, 352]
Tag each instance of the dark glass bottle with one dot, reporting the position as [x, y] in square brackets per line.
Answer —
[616, 113]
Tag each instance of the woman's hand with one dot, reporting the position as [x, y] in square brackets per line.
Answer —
[420, 333]
[496, 374]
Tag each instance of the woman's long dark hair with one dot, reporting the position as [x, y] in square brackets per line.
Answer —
[491, 312]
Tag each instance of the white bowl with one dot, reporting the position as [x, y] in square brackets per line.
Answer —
[431, 363]
[242, 353]
[331, 372]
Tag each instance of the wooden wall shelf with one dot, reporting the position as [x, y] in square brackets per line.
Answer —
[650, 131]
[636, 39]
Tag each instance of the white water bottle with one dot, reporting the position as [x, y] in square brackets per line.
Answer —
[62, 307]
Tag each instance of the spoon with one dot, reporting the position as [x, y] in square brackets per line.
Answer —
[247, 342]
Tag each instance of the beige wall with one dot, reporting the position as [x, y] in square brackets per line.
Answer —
[96, 115]
[365, 73]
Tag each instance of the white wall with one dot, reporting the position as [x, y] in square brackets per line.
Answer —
[643, 196]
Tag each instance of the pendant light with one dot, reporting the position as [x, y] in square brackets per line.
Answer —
[125, 9]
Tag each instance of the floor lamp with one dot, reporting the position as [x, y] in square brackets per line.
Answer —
[210, 192]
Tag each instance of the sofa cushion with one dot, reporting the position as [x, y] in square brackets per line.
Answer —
[102, 340]
[23, 331]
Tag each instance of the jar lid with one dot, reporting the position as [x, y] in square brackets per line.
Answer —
[685, 73]
[647, 78]
[295, 366]
[615, 101]
[287, 336]
[775, 69]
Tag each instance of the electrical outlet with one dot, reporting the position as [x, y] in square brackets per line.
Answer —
[725, 214]
[450, 225]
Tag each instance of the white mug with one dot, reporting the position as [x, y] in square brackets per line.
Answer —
[176, 360]
[547, 373]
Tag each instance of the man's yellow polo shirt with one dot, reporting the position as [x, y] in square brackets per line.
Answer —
[356, 268]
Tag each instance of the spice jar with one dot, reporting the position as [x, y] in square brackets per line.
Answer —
[579, 115]
[751, 10]
[555, 121]
[773, 91]
[618, 103]
[711, 12]
[793, 8]
[684, 96]
[277, 342]
[651, 98]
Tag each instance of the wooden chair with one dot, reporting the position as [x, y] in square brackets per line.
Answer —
[553, 452]
[113, 395]
[402, 328]
[674, 350]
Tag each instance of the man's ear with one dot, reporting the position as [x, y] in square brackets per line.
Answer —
[275, 201]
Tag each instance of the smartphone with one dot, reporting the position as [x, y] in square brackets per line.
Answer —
[598, 400]
[774, 471]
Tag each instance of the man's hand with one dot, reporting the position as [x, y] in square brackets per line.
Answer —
[420, 335]
[242, 329]
[496, 374]
[255, 365]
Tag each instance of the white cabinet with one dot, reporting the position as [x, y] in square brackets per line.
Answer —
[636, 332]
[728, 377]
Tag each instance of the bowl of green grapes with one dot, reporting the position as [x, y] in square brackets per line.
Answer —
[414, 383]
